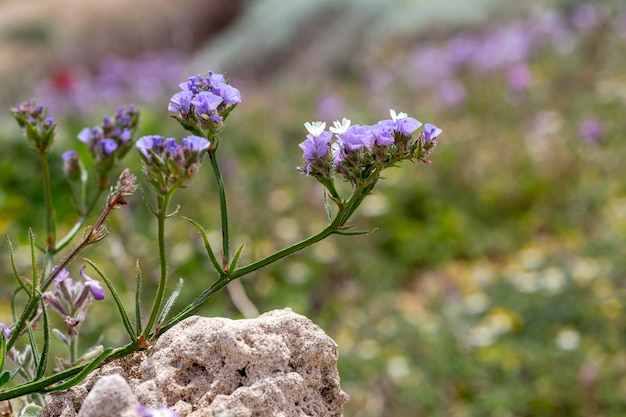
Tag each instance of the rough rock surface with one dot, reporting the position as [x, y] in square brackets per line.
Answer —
[278, 365]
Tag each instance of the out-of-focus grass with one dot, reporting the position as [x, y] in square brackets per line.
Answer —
[494, 283]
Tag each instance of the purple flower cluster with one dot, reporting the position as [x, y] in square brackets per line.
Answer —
[110, 141]
[167, 162]
[71, 299]
[38, 128]
[203, 104]
[358, 151]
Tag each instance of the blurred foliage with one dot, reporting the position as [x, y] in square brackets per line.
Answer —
[494, 285]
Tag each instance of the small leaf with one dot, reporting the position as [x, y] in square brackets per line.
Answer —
[207, 245]
[170, 302]
[138, 286]
[16, 274]
[41, 369]
[3, 350]
[33, 260]
[33, 344]
[356, 232]
[329, 213]
[233, 263]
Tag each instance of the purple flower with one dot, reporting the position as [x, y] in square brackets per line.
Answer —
[407, 125]
[354, 138]
[108, 145]
[94, 286]
[380, 135]
[86, 135]
[591, 130]
[229, 94]
[69, 155]
[180, 102]
[5, 330]
[195, 143]
[146, 143]
[156, 412]
[205, 103]
[316, 147]
[431, 132]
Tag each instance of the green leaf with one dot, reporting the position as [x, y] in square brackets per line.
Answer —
[3, 350]
[138, 286]
[33, 260]
[207, 245]
[116, 298]
[233, 264]
[41, 369]
[19, 279]
[329, 212]
[170, 302]
[33, 344]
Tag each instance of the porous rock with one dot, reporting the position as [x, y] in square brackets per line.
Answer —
[278, 365]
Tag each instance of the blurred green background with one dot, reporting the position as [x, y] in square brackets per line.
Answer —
[494, 285]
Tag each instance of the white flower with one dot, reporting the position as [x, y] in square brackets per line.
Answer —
[340, 127]
[395, 116]
[315, 128]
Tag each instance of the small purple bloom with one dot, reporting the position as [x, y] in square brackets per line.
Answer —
[108, 145]
[407, 125]
[380, 135]
[216, 80]
[354, 138]
[146, 143]
[5, 330]
[195, 143]
[431, 132]
[85, 135]
[69, 155]
[591, 130]
[205, 103]
[94, 286]
[229, 94]
[316, 147]
[180, 102]
[156, 412]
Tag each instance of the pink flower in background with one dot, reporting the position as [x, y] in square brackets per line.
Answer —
[591, 130]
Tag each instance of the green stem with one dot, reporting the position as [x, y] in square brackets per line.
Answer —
[163, 204]
[223, 208]
[47, 192]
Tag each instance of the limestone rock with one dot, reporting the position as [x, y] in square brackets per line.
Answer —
[278, 365]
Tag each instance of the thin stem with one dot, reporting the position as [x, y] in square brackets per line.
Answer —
[223, 208]
[47, 192]
[163, 204]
